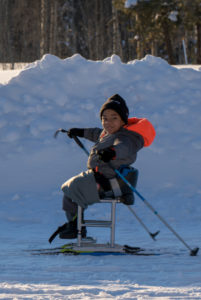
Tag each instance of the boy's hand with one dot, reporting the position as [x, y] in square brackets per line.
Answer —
[106, 154]
[75, 132]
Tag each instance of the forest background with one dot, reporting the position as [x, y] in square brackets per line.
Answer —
[97, 29]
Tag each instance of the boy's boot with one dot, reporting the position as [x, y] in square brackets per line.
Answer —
[128, 198]
[70, 231]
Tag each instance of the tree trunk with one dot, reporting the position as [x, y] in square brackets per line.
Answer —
[45, 25]
[139, 47]
[117, 45]
[198, 25]
[53, 27]
[168, 43]
[6, 47]
[154, 51]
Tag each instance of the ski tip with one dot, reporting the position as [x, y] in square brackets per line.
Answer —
[194, 252]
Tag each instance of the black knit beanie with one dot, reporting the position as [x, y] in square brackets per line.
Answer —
[118, 104]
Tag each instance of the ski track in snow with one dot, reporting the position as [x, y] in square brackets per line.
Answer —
[54, 93]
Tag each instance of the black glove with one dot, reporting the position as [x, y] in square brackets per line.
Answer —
[106, 154]
[76, 132]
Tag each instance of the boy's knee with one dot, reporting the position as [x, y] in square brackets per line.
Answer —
[64, 185]
[65, 188]
[70, 184]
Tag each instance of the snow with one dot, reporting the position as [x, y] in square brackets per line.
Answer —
[6, 75]
[129, 3]
[54, 93]
[173, 16]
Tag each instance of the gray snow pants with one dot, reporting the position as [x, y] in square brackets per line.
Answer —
[79, 190]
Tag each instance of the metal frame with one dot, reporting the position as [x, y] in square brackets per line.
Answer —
[96, 223]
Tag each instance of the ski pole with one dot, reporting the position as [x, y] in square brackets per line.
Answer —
[80, 144]
[153, 235]
[193, 252]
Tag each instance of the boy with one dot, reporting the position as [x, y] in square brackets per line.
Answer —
[115, 145]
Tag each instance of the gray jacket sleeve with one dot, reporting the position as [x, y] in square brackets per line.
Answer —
[92, 134]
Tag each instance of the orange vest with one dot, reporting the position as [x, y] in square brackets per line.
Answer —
[143, 127]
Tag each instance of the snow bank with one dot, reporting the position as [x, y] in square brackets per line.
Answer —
[53, 93]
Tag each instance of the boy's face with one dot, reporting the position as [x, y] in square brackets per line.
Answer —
[111, 121]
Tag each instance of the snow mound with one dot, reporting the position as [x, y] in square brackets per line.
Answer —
[52, 93]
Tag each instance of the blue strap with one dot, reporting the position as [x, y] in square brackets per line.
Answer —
[125, 170]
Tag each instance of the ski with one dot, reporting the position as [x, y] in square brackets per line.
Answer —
[132, 248]
[95, 250]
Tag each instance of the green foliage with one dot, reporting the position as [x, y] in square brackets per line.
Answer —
[163, 23]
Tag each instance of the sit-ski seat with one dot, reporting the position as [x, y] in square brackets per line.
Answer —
[119, 189]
